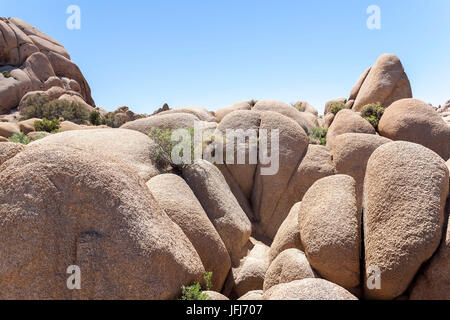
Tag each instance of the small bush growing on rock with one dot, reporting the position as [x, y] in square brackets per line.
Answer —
[299, 106]
[195, 292]
[47, 125]
[20, 138]
[163, 156]
[318, 135]
[111, 120]
[373, 113]
[6, 74]
[40, 107]
[335, 107]
[95, 118]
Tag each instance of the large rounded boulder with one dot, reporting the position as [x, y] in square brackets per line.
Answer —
[290, 265]
[347, 121]
[9, 150]
[62, 207]
[131, 147]
[308, 289]
[386, 82]
[415, 121]
[181, 205]
[330, 229]
[405, 190]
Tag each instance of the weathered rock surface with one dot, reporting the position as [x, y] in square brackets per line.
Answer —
[330, 229]
[129, 146]
[351, 151]
[386, 82]
[162, 121]
[308, 289]
[220, 205]
[347, 121]
[406, 186]
[9, 150]
[288, 235]
[415, 121]
[35, 61]
[73, 207]
[290, 265]
[179, 202]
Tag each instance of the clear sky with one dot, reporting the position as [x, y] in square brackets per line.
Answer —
[214, 53]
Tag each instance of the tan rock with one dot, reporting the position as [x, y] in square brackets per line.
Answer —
[8, 129]
[199, 112]
[73, 207]
[213, 295]
[252, 295]
[220, 205]
[304, 119]
[351, 151]
[330, 229]
[433, 283]
[27, 126]
[357, 87]
[179, 202]
[347, 121]
[315, 165]
[290, 265]
[415, 121]
[9, 150]
[405, 189]
[162, 121]
[386, 83]
[268, 189]
[250, 273]
[288, 236]
[131, 147]
[308, 289]
[221, 113]
[38, 134]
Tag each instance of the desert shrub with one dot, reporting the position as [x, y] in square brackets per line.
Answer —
[95, 118]
[335, 107]
[318, 135]
[20, 138]
[373, 113]
[40, 107]
[299, 106]
[195, 292]
[163, 155]
[47, 125]
[252, 103]
[111, 120]
[6, 74]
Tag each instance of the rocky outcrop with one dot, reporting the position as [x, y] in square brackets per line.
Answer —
[386, 82]
[32, 61]
[405, 190]
[75, 208]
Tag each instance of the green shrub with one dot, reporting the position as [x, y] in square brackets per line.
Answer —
[373, 113]
[40, 107]
[95, 118]
[335, 107]
[195, 292]
[111, 120]
[163, 155]
[47, 125]
[318, 135]
[299, 106]
[20, 138]
[6, 74]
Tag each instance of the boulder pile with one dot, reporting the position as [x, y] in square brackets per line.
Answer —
[292, 206]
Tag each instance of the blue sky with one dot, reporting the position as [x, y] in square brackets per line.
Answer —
[214, 53]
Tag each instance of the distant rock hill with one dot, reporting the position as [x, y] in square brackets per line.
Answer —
[31, 61]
